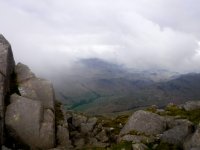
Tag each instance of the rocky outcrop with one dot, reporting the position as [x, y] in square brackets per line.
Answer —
[7, 65]
[27, 113]
[31, 116]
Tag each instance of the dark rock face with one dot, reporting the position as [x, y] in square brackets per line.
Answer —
[7, 64]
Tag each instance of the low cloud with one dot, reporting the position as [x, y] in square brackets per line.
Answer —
[50, 35]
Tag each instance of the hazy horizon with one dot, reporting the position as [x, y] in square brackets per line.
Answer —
[52, 35]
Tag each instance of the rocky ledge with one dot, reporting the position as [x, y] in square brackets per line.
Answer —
[30, 118]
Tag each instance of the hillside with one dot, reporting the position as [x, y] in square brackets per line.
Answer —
[98, 86]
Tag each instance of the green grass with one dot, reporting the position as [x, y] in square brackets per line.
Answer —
[113, 123]
[122, 145]
[59, 117]
[163, 146]
[174, 110]
[193, 115]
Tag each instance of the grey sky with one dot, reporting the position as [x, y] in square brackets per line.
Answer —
[49, 34]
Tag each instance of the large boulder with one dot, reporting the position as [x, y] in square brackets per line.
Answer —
[176, 135]
[144, 122]
[24, 116]
[191, 105]
[7, 65]
[24, 119]
[34, 88]
[35, 107]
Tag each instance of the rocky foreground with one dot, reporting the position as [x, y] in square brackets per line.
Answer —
[31, 118]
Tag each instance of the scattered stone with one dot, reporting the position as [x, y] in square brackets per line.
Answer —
[77, 120]
[102, 136]
[89, 125]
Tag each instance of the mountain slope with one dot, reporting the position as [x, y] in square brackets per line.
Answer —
[101, 87]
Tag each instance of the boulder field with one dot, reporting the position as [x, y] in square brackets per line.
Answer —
[31, 118]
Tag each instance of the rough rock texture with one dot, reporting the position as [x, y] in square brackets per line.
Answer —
[193, 142]
[31, 116]
[34, 88]
[177, 134]
[144, 122]
[63, 136]
[7, 64]
[89, 125]
[24, 116]
[191, 105]
[23, 73]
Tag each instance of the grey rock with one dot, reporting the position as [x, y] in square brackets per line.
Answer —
[24, 117]
[191, 105]
[177, 134]
[48, 115]
[23, 73]
[95, 143]
[77, 120]
[139, 146]
[47, 135]
[7, 65]
[63, 136]
[79, 143]
[192, 141]
[38, 89]
[102, 136]
[144, 122]
[172, 122]
[89, 125]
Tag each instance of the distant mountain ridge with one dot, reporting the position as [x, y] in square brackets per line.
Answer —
[99, 86]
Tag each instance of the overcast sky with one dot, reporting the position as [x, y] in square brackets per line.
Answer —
[49, 34]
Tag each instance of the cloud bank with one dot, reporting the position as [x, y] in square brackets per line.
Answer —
[49, 35]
